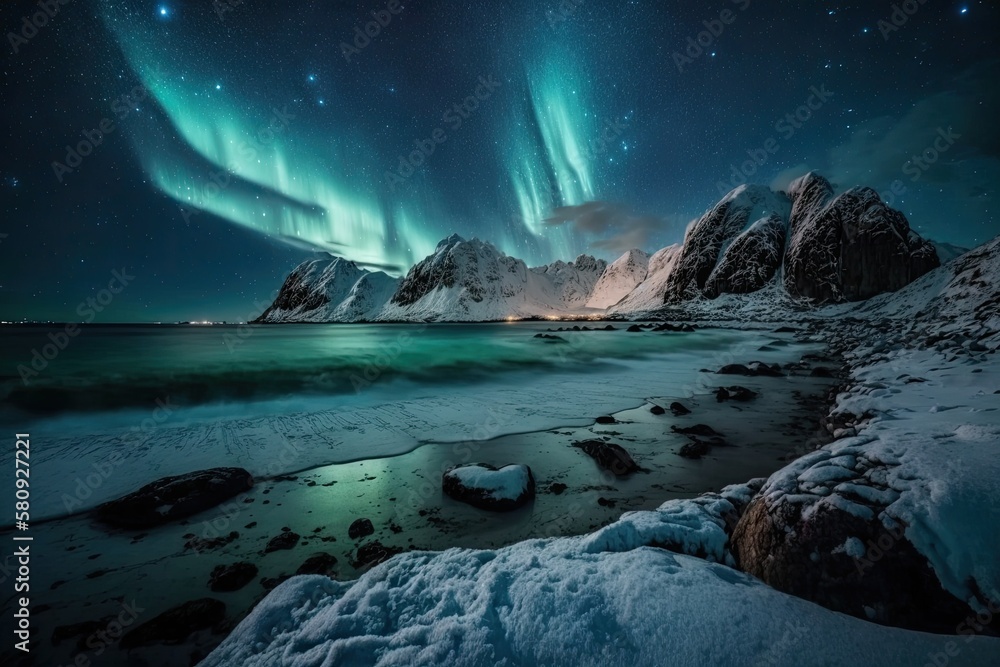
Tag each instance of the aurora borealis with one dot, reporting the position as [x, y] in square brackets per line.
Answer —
[258, 138]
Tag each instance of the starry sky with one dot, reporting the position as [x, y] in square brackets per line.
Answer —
[206, 148]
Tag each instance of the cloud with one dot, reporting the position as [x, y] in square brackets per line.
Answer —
[880, 149]
[618, 229]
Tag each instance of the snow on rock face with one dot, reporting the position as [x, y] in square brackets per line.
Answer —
[648, 295]
[850, 247]
[709, 236]
[335, 290]
[473, 281]
[620, 278]
[574, 281]
[490, 488]
[751, 261]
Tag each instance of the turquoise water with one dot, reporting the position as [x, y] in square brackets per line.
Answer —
[112, 367]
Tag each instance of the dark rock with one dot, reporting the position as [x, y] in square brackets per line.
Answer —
[735, 393]
[551, 338]
[174, 625]
[678, 409]
[269, 583]
[751, 260]
[285, 540]
[635, 328]
[604, 502]
[694, 449]
[708, 236]
[657, 410]
[173, 498]
[606, 419]
[753, 369]
[609, 456]
[697, 429]
[850, 247]
[558, 488]
[374, 553]
[360, 528]
[483, 497]
[610, 328]
[200, 544]
[803, 555]
[226, 578]
[786, 330]
[321, 563]
[821, 372]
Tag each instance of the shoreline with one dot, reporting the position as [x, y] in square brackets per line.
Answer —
[428, 520]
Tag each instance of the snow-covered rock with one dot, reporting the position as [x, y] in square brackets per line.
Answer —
[471, 280]
[490, 488]
[619, 279]
[566, 602]
[574, 281]
[330, 291]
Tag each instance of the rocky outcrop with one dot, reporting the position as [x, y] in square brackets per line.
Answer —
[173, 498]
[752, 261]
[845, 561]
[850, 247]
[331, 290]
[709, 236]
[487, 487]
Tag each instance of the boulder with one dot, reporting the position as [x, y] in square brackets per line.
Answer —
[360, 528]
[609, 456]
[694, 449]
[487, 487]
[734, 393]
[285, 540]
[845, 562]
[226, 578]
[321, 563]
[678, 409]
[173, 498]
[657, 410]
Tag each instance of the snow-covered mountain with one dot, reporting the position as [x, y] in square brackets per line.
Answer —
[648, 295]
[806, 247]
[330, 291]
[619, 279]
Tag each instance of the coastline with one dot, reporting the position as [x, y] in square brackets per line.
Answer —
[419, 517]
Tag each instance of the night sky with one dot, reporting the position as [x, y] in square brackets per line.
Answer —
[228, 141]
